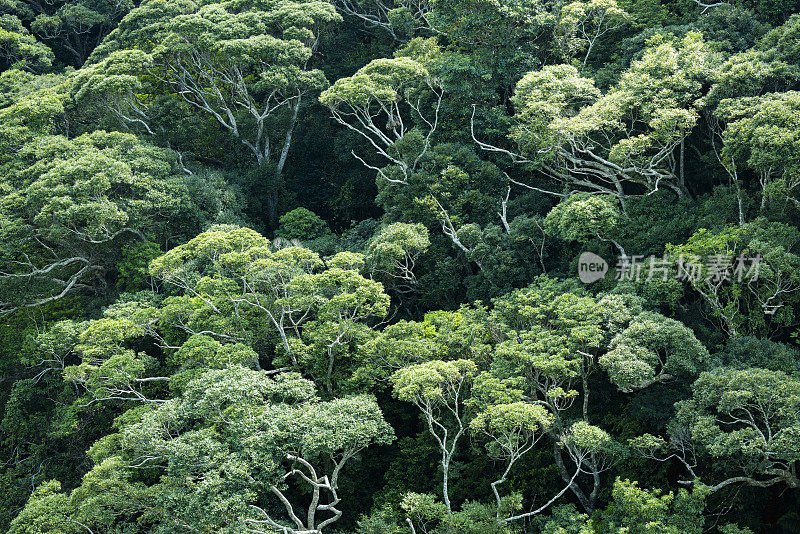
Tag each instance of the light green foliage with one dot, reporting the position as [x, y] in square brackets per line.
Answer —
[547, 353]
[393, 253]
[47, 512]
[382, 81]
[749, 74]
[628, 134]
[19, 49]
[422, 507]
[301, 227]
[543, 96]
[15, 83]
[382, 521]
[582, 217]
[113, 83]
[230, 441]
[432, 383]
[547, 332]
[398, 345]
[639, 511]
[747, 414]
[582, 435]
[69, 206]
[394, 91]
[201, 352]
[109, 494]
[425, 514]
[511, 430]
[636, 510]
[438, 389]
[748, 297]
[53, 347]
[441, 335]
[651, 349]
[235, 294]
[235, 233]
[349, 261]
[583, 25]
[731, 528]
[343, 301]
[242, 66]
[781, 42]
[760, 135]
[592, 446]
[278, 430]
[512, 419]
[566, 519]
[302, 224]
[40, 112]
[110, 370]
[552, 343]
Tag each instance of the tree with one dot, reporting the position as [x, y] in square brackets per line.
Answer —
[115, 87]
[747, 277]
[20, 49]
[741, 82]
[746, 419]
[582, 216]
[441, 335]
[742, 352]
[386, 103]
[551, 344]
[279, 432]
[304, 227]
[393, 253]
[638, 510]
[236, 301]
[759, 136]
[244, 67]
[511, 431]
[48, 510]
[235, 440]
[424, 514]
[626, 138]
[438, 389]
[342, 302]
[653, 349]
[72, 28]
[70, 206]
[583, 24]
[227, 285]
[502, 39]
[401, 20]
[547, 350]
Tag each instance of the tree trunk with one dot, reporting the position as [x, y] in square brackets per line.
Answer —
[573, 486]
[272, 196]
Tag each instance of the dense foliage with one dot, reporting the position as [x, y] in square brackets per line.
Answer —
[399, 267]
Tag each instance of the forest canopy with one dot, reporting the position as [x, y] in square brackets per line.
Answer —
[399, 267]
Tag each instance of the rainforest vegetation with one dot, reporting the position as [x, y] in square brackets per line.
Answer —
[399, 266]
